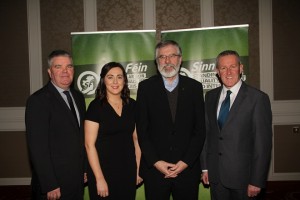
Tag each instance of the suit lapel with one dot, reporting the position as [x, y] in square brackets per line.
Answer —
[241, 96]
[215, 104]
[64, 107]
[180, 99]
[78, 105]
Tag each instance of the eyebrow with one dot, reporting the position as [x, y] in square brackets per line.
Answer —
[114, 75]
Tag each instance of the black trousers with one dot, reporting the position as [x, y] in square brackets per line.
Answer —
[184, 187]
[219, 192]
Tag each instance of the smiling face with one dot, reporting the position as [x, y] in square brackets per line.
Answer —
[229, 70]
[114, 81]
[61, 71]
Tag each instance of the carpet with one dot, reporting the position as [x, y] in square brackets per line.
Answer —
[276, 190]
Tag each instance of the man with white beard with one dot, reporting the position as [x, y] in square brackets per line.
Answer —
[171, 128]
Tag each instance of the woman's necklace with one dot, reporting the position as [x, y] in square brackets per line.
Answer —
[116, 105]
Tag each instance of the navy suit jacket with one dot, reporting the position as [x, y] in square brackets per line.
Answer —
[56, 143]
[159, 137]
[240, 153]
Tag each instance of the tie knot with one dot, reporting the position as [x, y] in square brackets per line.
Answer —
[66, 92]
[228, 93]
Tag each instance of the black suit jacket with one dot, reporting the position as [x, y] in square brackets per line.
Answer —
[240, 153]
[56, 143]
[159, 137]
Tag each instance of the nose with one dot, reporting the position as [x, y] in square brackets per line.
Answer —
[228, 70]
[65, 68]
[167, 59]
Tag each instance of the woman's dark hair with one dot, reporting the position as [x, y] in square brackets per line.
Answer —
[101, 88]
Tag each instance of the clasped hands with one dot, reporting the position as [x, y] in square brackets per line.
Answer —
[170, 170]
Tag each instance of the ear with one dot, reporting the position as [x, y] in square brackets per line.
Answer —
[241, 68]
[49, 72]
[180, 59]
[217, 71]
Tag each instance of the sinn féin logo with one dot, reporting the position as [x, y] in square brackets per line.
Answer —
[185, 72]
[87, 82]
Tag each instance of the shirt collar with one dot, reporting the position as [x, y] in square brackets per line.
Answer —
[60, 90]
[235, 89]
[171, 86]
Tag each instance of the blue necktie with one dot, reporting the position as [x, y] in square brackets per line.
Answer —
[71, 104]
[224, 110]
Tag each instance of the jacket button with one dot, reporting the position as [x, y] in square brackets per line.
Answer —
[220, 138]
[220, 154]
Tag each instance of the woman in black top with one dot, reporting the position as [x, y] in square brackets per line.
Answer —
[111, 139]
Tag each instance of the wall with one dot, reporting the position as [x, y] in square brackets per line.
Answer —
[30, 30]
[15, 87]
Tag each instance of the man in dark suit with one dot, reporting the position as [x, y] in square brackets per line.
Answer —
[55, 133]
[237, 151]
[171, 128]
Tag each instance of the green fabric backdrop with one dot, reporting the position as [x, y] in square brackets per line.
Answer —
[203, 193]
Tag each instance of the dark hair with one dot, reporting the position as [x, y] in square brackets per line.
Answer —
[227, 53]
[166, 43]
[101, 88]
[56, 53]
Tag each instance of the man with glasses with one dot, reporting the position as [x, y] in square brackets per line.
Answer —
[171, 128]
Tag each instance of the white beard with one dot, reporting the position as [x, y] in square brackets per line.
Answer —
[168, 74]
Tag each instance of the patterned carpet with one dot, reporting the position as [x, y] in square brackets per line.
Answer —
[276, 190]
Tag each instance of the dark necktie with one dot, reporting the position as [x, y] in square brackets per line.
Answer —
[67, 93]
[224, 110]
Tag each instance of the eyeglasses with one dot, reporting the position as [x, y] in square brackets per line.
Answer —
[164, 57]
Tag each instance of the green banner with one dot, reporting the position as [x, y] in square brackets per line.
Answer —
[133, 49]
[201, 46]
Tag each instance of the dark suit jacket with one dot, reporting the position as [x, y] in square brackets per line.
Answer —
[56, 144]
[159, 137]
[239, 154]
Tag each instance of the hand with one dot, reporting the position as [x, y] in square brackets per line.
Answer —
[205, 178]
[163, 167]
[177, 169]
[102, 188]
[139, 180]
[253, 190]
[85, 178]
[54, 194]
